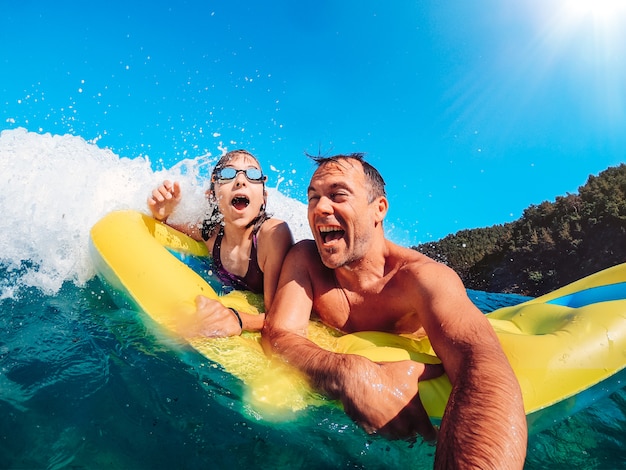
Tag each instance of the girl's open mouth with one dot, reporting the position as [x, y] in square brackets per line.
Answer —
[240, 202]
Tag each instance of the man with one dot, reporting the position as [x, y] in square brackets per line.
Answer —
[356, 280]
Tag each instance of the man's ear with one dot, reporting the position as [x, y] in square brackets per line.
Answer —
[381, 206]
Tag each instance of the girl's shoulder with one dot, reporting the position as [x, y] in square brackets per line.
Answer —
[276, 232]
[272, 225]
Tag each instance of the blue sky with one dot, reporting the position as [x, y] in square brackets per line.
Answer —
[472, 111]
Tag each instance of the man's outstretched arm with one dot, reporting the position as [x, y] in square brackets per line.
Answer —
[484, 424]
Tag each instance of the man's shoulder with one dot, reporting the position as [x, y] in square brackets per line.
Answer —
[304, 252]
[305, 248]
[418, 265]
[410, 257]
[304, 258]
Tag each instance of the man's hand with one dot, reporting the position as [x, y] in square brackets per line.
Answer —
[384, 397]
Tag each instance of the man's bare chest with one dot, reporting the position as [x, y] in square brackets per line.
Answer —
[351, 312]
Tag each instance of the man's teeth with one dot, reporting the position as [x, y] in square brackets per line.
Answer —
[329, 234]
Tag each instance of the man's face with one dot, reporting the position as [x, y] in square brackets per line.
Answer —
[340, 216]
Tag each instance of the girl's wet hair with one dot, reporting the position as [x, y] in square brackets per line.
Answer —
[373, 177]
[215, 218]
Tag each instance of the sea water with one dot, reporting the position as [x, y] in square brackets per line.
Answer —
[84, 384]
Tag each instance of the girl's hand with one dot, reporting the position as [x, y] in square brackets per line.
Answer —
[164, 200]
[213, 320]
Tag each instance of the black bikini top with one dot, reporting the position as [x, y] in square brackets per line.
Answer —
[252, 281]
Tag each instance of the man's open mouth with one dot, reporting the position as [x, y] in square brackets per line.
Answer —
[331, 233]
[240, 202]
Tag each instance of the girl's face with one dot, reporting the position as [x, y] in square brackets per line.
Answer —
[240, 193]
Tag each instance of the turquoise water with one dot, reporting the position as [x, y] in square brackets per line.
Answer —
[84, 384]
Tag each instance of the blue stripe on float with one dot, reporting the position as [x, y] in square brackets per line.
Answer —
[592, 295]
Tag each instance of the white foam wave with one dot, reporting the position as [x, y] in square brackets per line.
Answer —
[54, 188]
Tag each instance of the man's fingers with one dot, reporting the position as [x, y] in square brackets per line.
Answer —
[411, 420]
[431, 371]
[422, 424]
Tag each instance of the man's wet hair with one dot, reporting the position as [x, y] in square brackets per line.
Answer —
[374, 178]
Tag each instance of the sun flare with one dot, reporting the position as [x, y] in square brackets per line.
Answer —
[601, 10]
[582, 45]
[599, 22]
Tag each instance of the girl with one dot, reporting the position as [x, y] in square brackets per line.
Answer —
[247, 246]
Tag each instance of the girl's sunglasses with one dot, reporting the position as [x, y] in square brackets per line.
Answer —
[254, 175]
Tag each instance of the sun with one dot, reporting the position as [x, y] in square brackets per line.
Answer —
[598, 22]
[603, 13]
[582, 44]
[598, 9]
[596, 25]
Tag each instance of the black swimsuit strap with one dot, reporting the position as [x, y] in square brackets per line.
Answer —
[252, 281]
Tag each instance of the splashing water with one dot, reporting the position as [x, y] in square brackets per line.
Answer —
[56, 187]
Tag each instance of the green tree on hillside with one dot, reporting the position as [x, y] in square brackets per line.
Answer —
[551, 244]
